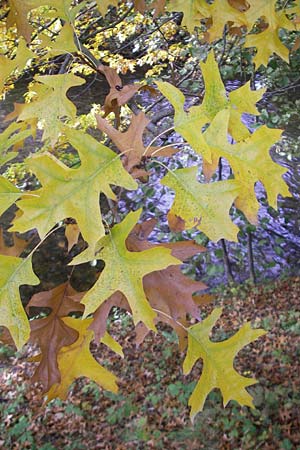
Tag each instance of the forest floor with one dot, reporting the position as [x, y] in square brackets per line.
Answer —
[150, 411]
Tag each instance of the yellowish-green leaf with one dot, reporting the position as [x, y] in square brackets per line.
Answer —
[250, 161]
[15, 272]
[18, 16]
[218, 357]
[267, 42]
[103, 5]
[204, 206]
[76, 361]
[73, 193]
[63, 9]
[8, 194]
[8, 66]
[221, 12]
[110, 342]
[190, 124]
[242, 100]
[124, 271]
[11, 136]
[193, 11]
[64, 43]
[51, 103]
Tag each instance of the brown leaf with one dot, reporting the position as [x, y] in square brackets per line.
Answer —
[131, 144]
[168, 290]
[16, 249]
[72, 233]
[140, 6]
[99, 323]
[51, 333]
[240, 5]
[296, 44]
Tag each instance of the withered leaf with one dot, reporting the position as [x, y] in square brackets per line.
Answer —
[52, 333]
[131, 143]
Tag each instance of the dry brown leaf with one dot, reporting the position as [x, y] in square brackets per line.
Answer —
[51, 333]
[72, 233]
[16, 249]
[130, 143]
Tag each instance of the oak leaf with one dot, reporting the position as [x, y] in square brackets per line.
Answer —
[51, 103]
[13, 135]
[18, 16]
[267, 42]
[251, 162]
[15, 272]
[204, 206]
[76, 361]
[221, 13]
[64, 42]
[130, 142]
[190, 124]
[193, 11]
[8, 194]
[52, 333]
[169, 290]
[124, 271]
[218, 357]
[73, 193]
[118, 95]
[8, 65]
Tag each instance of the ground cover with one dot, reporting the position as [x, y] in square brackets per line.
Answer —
[150, 410]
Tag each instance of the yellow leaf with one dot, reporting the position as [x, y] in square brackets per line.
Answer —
[11, 136]
[250, 161]
[242, 100]
[51, 103]
[190, 124]
[267, 42]
[103, 5]
[8, 194]
[124, 271]
[18, 15]
[218, 357]
[193, 11]
[221, 13]
[15, 272]
[109, 341]
[73, 192]
[76, 361]
[8, 66]
[64, 43]
[204, 206]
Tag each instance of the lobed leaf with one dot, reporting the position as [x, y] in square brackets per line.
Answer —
[218, 357]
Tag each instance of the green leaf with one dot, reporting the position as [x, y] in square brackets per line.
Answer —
[8, 194]
[8, 66]
[190, 124]
[15, 272]
[250, 161]
[204, 206]
[8, 139]
[76, 361]
[218, 357]
[124, 271]
[73, 192]
[51, 103]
